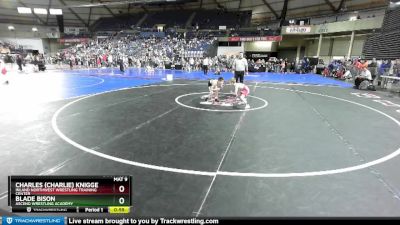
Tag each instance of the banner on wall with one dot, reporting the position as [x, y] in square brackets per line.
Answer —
[257, 55]
[260, 55]
[265, 38]
[75, 30]
[298, 29]
[74, 40]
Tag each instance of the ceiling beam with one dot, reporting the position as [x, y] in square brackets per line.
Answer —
[219, 5]
[90, 14]
[271, 9]
[201, 4]
[34, 14]
[283, 13]
[340, 6]
[107, 8]
[48, 14]
[330, 5]
[75, 14]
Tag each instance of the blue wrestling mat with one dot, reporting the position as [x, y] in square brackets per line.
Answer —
[57, 85]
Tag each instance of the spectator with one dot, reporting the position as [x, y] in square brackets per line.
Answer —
[19, 62]
[373, 68]
[396, 68]
[3, 72]
[121, 65]
[71, 62]
[364, 75]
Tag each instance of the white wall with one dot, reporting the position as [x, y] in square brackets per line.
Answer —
[358, 46]
[230, 50]
[25, 31]
[27, 43]
[51, 46]
[341, 46]
[260, 46]
[312, 47]
[339, 49]
[253, 46]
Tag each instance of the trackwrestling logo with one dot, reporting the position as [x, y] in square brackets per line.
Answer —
[33, 220]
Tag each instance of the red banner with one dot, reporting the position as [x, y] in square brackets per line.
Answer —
[74, 40]
[266, 38]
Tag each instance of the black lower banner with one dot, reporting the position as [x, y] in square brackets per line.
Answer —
[205, 221]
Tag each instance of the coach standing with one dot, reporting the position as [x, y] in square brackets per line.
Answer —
[240, 68]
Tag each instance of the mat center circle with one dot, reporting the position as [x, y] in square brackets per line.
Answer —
[255, 103]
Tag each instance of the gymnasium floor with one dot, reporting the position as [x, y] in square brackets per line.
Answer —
[308, 146]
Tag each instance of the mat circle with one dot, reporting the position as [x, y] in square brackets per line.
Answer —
[177, 100]
[227, 173]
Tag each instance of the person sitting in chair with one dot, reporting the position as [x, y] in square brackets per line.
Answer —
[365, 75]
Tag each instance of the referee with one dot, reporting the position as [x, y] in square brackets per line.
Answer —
[206, 62]
[240, 67]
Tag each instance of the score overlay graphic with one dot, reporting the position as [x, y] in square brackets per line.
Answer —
[76, 194]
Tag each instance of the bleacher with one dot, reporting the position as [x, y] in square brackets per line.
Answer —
[70, 36]
[246, 33]
[384, 44]
[204, 19]
[117, 23]
[170, 18]
[205, 33]
[212, 19]
[392, 20]
[198, 51]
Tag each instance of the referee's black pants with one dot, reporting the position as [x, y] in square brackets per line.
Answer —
[239, 76]
[205, 69]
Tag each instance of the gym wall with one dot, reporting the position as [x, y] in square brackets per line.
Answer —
[335, 47]
[27, 43]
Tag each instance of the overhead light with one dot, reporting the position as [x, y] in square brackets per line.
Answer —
[34, 29]
[11, 28]
[40, 11]
[24, 10]
[55, 11]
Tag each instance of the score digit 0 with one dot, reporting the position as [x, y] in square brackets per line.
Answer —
[121, 188]
[121, 200]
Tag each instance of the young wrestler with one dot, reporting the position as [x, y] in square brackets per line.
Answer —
[4, 72]
[214, 86]
[241, 91]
